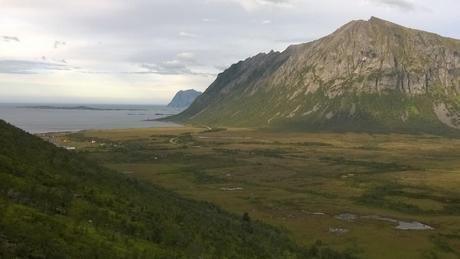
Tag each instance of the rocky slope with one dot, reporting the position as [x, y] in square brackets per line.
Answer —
[368, 75]
[183, 99]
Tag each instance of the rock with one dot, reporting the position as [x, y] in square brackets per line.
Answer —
[231, 189]
[338, 231]
[346, 217]
[368, 75]
[413, 226]
[183, 99]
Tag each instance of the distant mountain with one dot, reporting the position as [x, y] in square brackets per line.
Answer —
[367, 76]
[184, 99]
[56, 204]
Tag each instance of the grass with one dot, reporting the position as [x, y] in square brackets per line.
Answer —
[59, 204]
[300, 181]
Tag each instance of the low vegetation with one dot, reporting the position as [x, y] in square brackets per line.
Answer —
[58, 204]
[349, 190]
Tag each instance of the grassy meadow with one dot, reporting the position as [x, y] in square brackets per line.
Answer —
[350, 191]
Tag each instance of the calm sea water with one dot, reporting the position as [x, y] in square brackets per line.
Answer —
[39, 120]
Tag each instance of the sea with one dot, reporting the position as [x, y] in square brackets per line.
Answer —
[43, 118]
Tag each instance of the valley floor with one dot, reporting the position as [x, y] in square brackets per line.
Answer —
[377, 196]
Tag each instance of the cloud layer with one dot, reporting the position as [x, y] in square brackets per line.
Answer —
[141, 44]
[29, 67]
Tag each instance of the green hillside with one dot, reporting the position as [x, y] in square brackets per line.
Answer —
[56, 204]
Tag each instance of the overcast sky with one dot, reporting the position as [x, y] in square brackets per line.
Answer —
[143, 51]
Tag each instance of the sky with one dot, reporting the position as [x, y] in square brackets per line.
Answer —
[144, 51]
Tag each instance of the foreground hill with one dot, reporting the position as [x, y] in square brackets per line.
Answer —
[56, 204]
[183, 99]
[368, 75]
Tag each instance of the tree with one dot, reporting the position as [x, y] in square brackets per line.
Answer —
[246, 217]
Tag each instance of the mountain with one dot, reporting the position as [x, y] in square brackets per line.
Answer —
[367, 76]
[183, 99]
[56, 204]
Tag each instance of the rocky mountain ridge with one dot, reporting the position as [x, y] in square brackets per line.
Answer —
[367, 75]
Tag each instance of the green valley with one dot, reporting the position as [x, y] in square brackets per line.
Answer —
[367, 195]
[58, 204]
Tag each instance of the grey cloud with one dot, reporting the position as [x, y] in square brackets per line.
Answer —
[173, 67]
[29, 67]
[144, 31]
[57, 44]
[187, 56]
[208, 20]
[217, 32]
[221, 68]
[401, 4]
[10, 38]
[277, 1]
[183, 63]
[166, 68]
[187, 34]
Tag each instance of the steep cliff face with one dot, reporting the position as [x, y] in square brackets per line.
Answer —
[183, 99]
[367, 75]
[376, 56]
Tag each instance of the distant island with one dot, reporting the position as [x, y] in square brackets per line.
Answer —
[184, 99]
[80, 107]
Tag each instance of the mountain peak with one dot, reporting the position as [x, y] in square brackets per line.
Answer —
[183, 98]
[374, 24]
[381, 22]
[377, 20]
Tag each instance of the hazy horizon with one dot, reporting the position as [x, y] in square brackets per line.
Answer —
[70, 103]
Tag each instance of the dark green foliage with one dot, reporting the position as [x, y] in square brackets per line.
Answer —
[376, 196]
[375, 113]
[372, 166]
[57, 204]
[246, 217]
[214, 130]
[387, 112]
